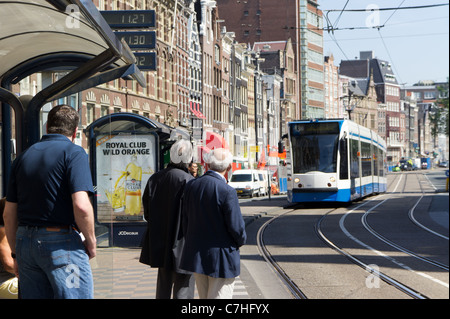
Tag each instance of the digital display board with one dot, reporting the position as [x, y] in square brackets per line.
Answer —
[138, 39]
[146, 61]
[126, 19]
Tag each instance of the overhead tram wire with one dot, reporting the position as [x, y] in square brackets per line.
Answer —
[331, 28]
[394, 12]
[390, 57]
[340, 15]
[393, 36]
[390, 9]
[384, 43]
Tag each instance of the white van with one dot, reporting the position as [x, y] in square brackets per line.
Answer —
[264, 181]
[246, 182]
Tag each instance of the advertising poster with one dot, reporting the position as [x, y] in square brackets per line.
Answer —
[124, 165]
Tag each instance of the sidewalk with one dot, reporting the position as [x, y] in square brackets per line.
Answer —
[118, 274]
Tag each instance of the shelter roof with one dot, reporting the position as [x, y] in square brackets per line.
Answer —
[33, 31]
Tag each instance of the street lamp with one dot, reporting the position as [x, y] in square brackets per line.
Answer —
[350, 101]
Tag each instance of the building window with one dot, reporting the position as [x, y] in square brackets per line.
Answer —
[430, 95]
[217, 54]
[104, 110]
[90, 112]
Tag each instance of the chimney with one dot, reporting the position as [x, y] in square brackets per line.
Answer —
[366, 55]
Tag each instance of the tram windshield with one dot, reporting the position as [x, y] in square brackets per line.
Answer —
[314, 147]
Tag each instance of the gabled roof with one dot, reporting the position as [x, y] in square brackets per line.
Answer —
[382, 70]
[354, 68]
[270, 46]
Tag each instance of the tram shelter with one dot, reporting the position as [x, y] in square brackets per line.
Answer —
[125, 149]
[69, 36]
[54, 35]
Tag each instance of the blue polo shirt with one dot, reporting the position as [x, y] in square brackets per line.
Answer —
[43, 179]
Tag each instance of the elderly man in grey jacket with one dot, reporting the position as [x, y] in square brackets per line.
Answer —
[163, 240]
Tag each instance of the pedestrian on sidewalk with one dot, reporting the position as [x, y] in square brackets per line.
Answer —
[47, 205]
[163, 240]
[214, 229]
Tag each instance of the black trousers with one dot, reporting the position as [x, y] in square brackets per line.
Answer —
[183, 285]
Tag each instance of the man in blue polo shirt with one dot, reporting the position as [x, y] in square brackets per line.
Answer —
[47, 200]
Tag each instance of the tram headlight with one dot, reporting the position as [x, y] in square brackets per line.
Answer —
[332, 179]
[296, 180]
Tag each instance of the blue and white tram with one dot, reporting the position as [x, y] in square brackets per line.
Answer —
[334, 161]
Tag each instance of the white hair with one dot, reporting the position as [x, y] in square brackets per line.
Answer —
[218, 159]
[181, 152]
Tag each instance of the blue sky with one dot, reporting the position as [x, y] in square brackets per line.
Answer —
[416, 42]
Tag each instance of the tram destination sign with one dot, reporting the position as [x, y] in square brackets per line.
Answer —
[130, 19]
[138, 39]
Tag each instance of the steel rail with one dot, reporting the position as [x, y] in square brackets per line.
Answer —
[414, 220]
[293, 288]
[395, 245]
[389, 280]
[402, 287]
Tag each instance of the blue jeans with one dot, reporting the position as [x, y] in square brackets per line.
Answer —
[52, 264]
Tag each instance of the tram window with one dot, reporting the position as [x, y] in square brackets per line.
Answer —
[314, 147]
[343, 165]
[381, 157]
[315, 153]
[354, 160]
[375, 160]
[366, 159]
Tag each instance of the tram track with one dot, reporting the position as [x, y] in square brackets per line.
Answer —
[414, 220]
[391, 281]
[392, 243]
[402, 287]
[297, 293]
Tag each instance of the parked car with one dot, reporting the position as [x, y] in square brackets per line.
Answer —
[246, 182]
[443, 164]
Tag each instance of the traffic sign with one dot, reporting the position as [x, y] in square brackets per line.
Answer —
[130, 19]
[146, 61]
[138, 39]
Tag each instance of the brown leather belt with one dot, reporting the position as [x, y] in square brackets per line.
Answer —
[56, 228]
